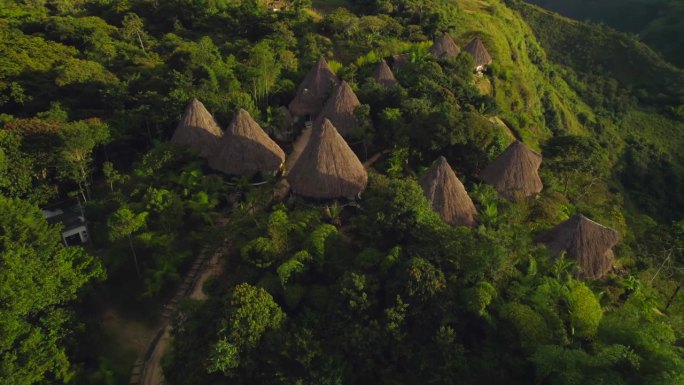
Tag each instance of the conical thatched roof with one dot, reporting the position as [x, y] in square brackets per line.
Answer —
[479, 53]
[586, 241]
[447, 194]
[444, 47]
[246, 149]
[312, 90]
[339, 109]
[383, 74]
[327, 168]
[514, 173]
[197, 129]
[297, 148]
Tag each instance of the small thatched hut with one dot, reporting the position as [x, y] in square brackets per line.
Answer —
[585, 241]
[383, 74]
[444, 47]
[339, 109]
[480, 54]
[447, 194]
[246, 149]
[327, 168]
[313, 89]
[197, 130]
[514, 174]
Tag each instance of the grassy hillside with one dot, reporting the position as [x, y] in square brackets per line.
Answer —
[658, 23]
[524, 90]
[636, 95]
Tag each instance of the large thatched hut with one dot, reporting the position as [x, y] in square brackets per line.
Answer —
[479, 53]
[246, 149]
[197, 130]
[447, 194]
[585, 241]
[514, 174]
[339, 109]
[313, 89]
[383, 74]
[444, 47]
[327, 168]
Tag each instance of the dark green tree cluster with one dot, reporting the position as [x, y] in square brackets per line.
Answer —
[398, 296]
[374, 291]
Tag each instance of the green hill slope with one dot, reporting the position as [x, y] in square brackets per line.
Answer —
[659, 23]
[637, 96]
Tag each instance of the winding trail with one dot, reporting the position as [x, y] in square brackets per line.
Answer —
[147, 370]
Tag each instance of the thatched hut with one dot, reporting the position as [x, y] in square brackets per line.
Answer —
[298, 147]
[313, 89]
[246, 149]
[327, 168]
[339, 109]
[514, 174]
[444, 47]
[585, 241]
[479, 53]
[447, 194]
[383, 74]
[197, 130]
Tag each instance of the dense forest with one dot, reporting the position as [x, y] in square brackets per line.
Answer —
[658, 23]
[384, 191]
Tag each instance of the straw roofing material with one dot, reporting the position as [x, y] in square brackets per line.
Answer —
[198, 130]
[444, 47]
[586, 241]
[339, 109]
[297, 148]
[246, 149]
[327, 168]
[447, 194]
[312, 90]
[479, 53]
[383, 74]
[514, 173]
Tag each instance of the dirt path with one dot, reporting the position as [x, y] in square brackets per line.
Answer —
[131, 335]
[152, 373]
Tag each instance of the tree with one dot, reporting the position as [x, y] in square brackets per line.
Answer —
[112, 176]
[80, 138]
[122, 224]
[264, 69]
[574, 158]
[132, 25]
[251, 313]
[39, 276]
[15, 166]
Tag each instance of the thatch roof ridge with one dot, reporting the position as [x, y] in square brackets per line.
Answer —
[479, 52]
[444, 47]
[586, 241]
[339, 109]
[383, 74]
[327, 168]
[197, 130]
[246, 149]
[312, 90]
[514, 173]
[447, 194]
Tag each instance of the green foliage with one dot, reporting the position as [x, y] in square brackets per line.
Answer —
[585, 311]
[251, 313]
[39, 278]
